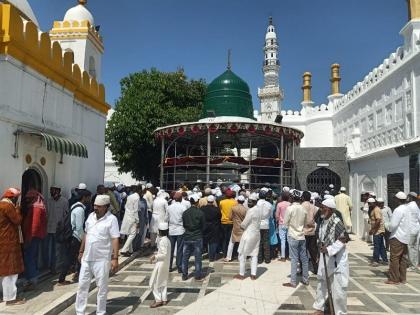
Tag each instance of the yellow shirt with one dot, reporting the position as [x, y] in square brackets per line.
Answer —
[226, 208]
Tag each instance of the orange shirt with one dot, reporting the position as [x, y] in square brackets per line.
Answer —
[226, 208]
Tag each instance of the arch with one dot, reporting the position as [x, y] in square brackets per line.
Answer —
[92, 67]
[320, 179]
[34, 177]
[367, 184]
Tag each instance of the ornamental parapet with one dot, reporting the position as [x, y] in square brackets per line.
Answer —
[378, 74]
[24, 42]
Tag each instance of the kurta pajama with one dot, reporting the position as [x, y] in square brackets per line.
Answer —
[159, 278]
[250, 240]
[130, 221]
[96, 260]
[11, 263]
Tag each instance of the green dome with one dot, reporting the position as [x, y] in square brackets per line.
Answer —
[228, 95]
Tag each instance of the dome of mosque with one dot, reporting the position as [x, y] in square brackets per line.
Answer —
[228, 95]
[79, 13]
[25, 8]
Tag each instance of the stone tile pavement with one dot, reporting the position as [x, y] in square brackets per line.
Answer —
[221, 294]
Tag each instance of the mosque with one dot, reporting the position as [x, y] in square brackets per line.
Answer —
[367, 139]
[52, 106]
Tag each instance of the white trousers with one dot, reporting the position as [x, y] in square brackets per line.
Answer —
[339, 294]
[160, 294]
[242, 262]
[100, 270]
[230, 248]
[8, 284]
[128, 245]
[413, 250]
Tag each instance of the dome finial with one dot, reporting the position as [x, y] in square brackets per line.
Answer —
[228, 61]
[83, 2]
[270, 20]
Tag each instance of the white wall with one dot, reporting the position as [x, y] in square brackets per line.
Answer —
[30, 100]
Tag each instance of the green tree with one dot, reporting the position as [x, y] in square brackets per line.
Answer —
[149, 100]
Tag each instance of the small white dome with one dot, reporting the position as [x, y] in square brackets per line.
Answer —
[25, 8]
[79, 13]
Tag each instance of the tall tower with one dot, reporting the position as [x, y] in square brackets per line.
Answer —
[271, 95]
[78, 33]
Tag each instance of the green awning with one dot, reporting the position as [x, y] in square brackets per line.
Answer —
[63, 145]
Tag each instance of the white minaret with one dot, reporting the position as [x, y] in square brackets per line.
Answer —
[78, 33]
[271, 95]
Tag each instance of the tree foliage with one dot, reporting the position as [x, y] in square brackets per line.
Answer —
[149, 100]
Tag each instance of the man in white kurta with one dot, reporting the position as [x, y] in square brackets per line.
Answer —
[250, 240]
[332, 234]
[130, 223]
[159, 279]
[159, 214]
[99, 250]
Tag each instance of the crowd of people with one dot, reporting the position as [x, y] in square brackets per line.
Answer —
[82, 235]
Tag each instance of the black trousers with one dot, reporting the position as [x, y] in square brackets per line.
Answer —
[226, 233]
[70, 258]
[264, 251]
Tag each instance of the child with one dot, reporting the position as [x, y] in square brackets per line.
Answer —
[159, 279]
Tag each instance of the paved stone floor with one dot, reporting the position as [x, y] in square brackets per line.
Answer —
[367, 292]
[129, 290]
[220, 294]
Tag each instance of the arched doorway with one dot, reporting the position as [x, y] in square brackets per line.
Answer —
[320, 179]
[31, 179]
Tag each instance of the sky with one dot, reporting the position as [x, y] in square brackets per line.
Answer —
[196, 34]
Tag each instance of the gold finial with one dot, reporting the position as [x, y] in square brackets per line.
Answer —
[413, 9]
[335, 79]
[83, 2]
[307, 87]
[229, 66]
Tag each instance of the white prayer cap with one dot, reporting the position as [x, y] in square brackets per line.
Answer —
[194, 197]
[161, 193]
[82, 186]
[253, 196]
[400, 195]
[102, 200]
[412, 194]
[328, 197]
[163, 226]
[108, 185]
[331, 186]
[247, 193]
[330, 203]
[343, 189]
[380, 199]
[286, 189]
[196, 189]
[372, 194]
[326, 192]
[241, 198]
[149, 185]
[210, 198]
[264, 189]
[56, 186]
[315, 196]
[371, 200]
[207, 191]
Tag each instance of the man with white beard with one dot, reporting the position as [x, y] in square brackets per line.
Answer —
[333, 237]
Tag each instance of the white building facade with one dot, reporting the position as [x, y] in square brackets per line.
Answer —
[378, 122]
[52, 111]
